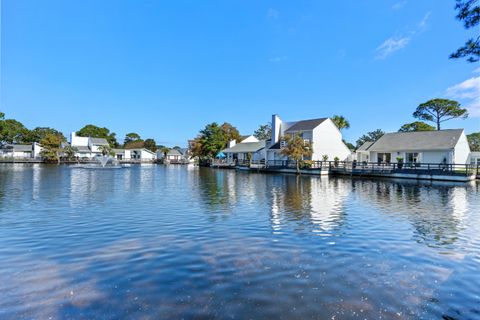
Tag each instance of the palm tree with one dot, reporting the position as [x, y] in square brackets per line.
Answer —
[341, 122]
[70, 151]
[105, 150]
[296, 148]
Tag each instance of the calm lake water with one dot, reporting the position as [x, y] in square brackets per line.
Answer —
[150, 242]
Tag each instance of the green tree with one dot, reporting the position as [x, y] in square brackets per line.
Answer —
[93, 131]
[52, 147]
[150, 144]
[2, 115]
[371, 136]
[416, 126]
[70, 151]
[37, 134]
[474, 141]
[138, 144]
[164, 150]
[440, 110]
[296, 148]
[264, 132]
[349, 145]
[130, 137]
[12, 131]
[469, 14]
[105, 150]
[214, 138]
[341, 122]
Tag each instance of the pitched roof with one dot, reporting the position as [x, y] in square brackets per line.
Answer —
[174, 152]
[118, 150]
[419, 140]
[305, 125]
[365, 146]
[246, 147]
[83, 149]
[99, 141]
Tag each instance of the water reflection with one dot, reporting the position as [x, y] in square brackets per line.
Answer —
[175, 242]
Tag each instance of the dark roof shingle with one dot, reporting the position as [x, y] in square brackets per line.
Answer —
[305, 125]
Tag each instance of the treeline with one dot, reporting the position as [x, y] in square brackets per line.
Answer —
[14, 132]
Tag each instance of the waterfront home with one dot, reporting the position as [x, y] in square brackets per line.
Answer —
[322, 133]
[474, 158]
[249, 149]
[444, 146]
[21, 151]
[176, 155]
[139, 154]
[87, 147]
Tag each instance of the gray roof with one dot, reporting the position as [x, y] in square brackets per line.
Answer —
[365, 146]
[246, 147]
[99, 141]
[83, 148]
[174, 152]
[306, 125]
[118, 150]
[417, 141]
[22, 147]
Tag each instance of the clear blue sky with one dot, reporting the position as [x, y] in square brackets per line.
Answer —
[166, 68]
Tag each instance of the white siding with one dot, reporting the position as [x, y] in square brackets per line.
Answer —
[327, 139]
[435, 156]
[462, 150]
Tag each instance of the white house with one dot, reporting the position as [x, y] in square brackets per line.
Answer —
[444, 146]
[21, 151]
[87, 147]
[474, 158]
[141, 154]
[250, 148]
[322, 133]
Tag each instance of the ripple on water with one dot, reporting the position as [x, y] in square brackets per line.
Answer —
[170, 242]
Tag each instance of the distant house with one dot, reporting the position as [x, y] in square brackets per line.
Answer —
[141, 154]
[250, 148]
[324, 135]
[474, 158]
[444, 146]
[176, 155]
[21, 151]
[87, 147]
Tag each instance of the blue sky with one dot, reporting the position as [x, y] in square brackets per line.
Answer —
[166, 68]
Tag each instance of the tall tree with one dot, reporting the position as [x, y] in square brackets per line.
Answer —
[474, 141]
[416, 126]
[150, 144]
[371, 136]
[469, 14]
[52, 146]
[37, 134]
[12, 131]
[213, 138]
[341, 122]
[264, 132]
[132, 136]
[93, 131]
[296, 148]
[440, 110]
[2, 115]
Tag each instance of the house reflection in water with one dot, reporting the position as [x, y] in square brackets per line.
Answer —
[434, 210]
[306, 203]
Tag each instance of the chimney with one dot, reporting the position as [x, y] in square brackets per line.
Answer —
[276, 128]
[232, 143]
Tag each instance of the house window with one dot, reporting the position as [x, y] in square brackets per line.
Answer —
[412, 157]
[283, 144]
[306, 141]
[384, 157]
